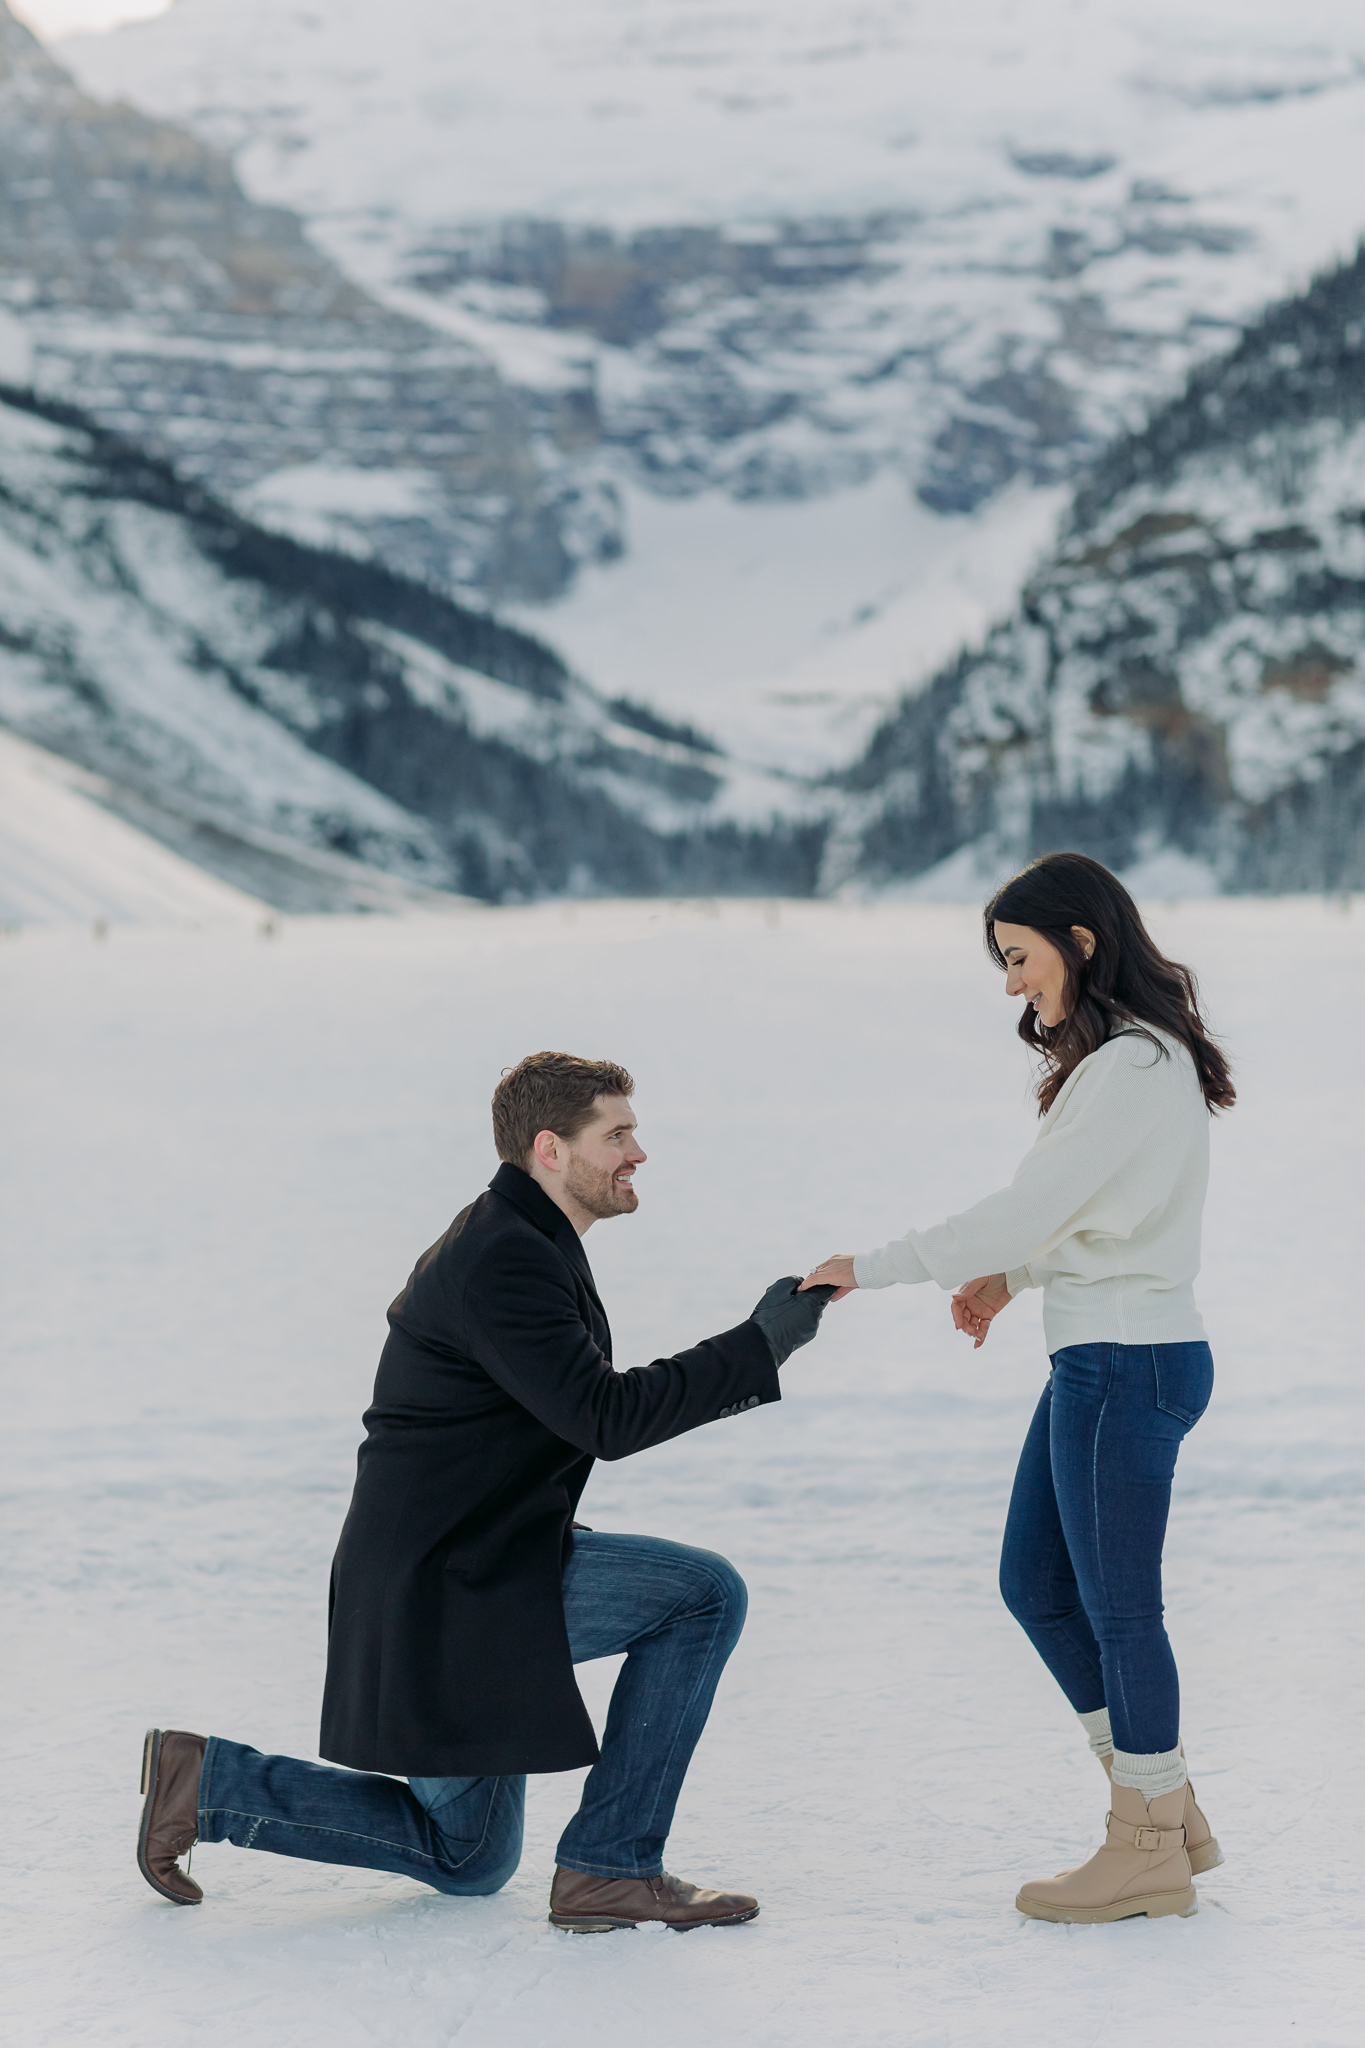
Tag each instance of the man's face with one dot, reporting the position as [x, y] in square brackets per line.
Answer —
[602, 1159]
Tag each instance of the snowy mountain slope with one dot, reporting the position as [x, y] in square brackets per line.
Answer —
[176, 310]
[70, 852]
[1189, 670]
[765, 255]
[295, 720]
[64, 858]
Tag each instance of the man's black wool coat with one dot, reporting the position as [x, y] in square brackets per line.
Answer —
[448, 1654]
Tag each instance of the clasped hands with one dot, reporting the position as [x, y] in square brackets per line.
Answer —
[975, 1305]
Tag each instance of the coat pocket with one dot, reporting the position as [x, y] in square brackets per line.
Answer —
[1184, 1380]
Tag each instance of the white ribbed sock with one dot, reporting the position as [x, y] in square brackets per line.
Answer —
[1162, 1771]
[1097, 1731]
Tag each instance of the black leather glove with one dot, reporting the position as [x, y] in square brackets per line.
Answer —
[788, 1318]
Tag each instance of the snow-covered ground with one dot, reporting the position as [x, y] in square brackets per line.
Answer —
[222, 1152]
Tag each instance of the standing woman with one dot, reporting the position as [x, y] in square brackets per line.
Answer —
[1104, 1215]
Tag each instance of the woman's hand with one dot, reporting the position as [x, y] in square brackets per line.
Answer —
[835, 1272]
[976, 1305]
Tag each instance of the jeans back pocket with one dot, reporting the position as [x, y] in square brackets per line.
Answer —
[1184, 1380]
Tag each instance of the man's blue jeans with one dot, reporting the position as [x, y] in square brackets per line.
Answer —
[677, 1614]
[1081, 1565]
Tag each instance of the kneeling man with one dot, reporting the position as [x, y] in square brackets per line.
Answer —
[463, 1592]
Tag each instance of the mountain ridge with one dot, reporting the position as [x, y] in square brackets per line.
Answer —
[1188, 669]
[210, 327]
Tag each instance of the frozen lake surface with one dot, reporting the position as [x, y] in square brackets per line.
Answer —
[222, 1153]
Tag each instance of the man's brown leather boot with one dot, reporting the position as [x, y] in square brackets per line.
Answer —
[171, 1763]
[1201, 1846]
[1140, 1868]
[595, 1905]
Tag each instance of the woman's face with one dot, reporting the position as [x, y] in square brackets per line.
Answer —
[1035, 970]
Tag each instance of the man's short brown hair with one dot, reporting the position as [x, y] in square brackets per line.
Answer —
[550, 1091]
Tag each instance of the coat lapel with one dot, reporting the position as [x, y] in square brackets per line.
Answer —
[535, 1205]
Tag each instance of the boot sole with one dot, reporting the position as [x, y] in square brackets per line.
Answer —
[1155, 1906]
[602, 1923]
[1207, 1856]
[151, 1759]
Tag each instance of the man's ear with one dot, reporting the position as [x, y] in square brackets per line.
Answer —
[545, 1147]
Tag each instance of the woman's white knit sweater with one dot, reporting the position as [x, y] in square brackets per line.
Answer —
[1104, 1213]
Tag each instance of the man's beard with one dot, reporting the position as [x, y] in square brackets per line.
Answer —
[597, 1190]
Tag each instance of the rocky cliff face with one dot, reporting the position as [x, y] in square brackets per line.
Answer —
[304, 724]
[791, 357]
[1189, 670]
[177, 311]
[798, 243]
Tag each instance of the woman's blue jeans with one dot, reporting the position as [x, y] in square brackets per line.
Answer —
[676, 1613]
[1081, 1565]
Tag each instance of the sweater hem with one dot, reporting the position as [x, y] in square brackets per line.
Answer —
[1061, 1332]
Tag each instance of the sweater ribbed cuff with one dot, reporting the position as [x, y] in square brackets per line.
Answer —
[889, 1264]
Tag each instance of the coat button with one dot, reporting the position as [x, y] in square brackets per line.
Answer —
[752, 1401]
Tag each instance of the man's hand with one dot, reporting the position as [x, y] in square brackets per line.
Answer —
[836, 1273]
[789, 1317]
[976, 1305]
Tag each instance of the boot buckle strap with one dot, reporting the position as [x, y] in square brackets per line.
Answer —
[1159, 1838]
[1148, 1838]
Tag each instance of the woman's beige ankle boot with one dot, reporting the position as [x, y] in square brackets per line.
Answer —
[1141, 1868]
[1200, 1844]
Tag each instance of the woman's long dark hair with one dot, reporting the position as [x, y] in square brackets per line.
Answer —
[1126, 984]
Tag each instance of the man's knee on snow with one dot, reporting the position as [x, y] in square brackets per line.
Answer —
[492, 1876]
[476, 1873]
